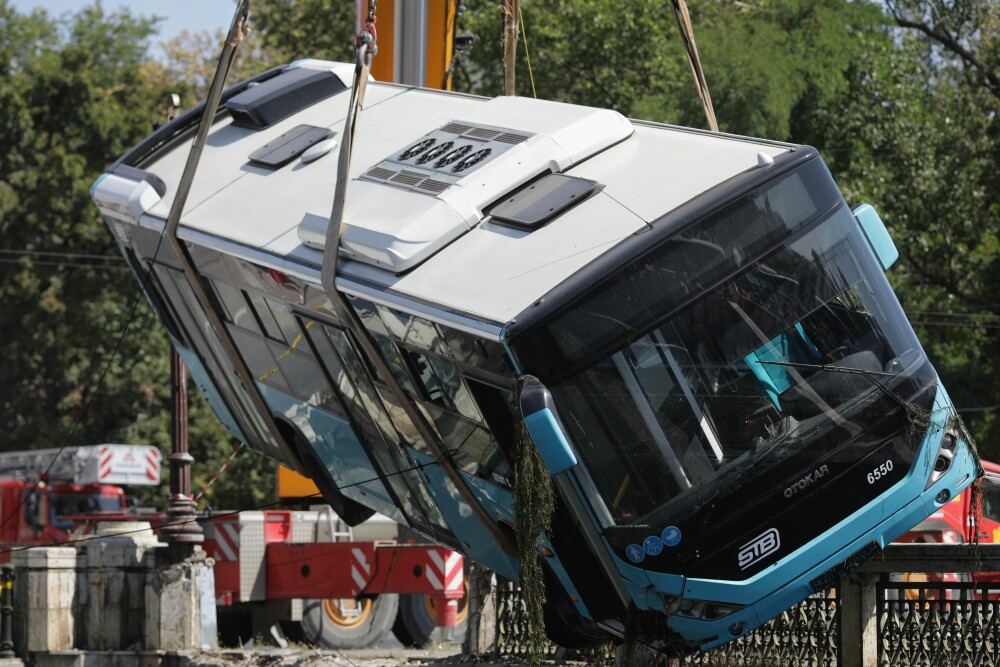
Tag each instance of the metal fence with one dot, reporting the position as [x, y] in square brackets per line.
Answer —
[512, 632]
[946, 624]
[804, 636]
[919, 625]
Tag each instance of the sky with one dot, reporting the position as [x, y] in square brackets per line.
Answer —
[177, 15]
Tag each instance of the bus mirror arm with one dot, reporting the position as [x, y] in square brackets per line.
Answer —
[542, 421]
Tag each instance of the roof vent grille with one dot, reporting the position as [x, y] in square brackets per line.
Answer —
[433, 185]
[434, 162]
[455, 128]
[484, 133]
[381, 173]
[407, 177]
[511, 138]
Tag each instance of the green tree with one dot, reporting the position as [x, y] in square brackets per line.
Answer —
[293, 29]
[767, 63]
[74, 99]
[916, 134]
[75, 93]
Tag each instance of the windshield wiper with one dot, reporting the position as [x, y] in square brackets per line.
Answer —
[867, 374]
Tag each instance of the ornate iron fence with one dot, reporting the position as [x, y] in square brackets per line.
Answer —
[512, 632]
[511, 628]
[920, 625]
[953, 624]
[805, 635]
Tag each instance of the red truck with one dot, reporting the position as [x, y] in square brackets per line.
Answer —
[49, 496]
[299, 569]
[954, 524]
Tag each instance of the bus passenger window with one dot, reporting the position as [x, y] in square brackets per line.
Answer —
[395, 362]
[286, 322]
[450, 380]
[265, 318]
[433, 391]
[236, 308]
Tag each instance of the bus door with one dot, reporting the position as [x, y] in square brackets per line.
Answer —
[380, 434]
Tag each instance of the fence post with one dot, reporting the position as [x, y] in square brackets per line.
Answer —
[6, 612]
[858, 645]
[480, 632]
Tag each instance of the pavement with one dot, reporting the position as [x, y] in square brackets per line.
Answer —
[295, 656]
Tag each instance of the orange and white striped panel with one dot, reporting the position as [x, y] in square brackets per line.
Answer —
[445, 571]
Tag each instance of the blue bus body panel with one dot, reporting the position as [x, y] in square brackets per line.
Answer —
[337, 446]
[476, 542]
[643, 586]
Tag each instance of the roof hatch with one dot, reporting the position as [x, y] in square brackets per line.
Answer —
[273, 100]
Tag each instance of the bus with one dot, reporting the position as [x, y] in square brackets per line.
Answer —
[695, 328]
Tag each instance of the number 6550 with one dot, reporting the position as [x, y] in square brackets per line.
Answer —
[880, 472]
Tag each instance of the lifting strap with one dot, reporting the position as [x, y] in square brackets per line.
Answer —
[683, 19]
[237, 32]
[365, 46]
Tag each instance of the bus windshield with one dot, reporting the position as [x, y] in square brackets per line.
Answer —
[785, 353]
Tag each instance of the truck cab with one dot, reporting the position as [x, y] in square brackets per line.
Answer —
[48, 496]
[52, 513]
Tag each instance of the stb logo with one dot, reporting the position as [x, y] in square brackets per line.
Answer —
[760, 546]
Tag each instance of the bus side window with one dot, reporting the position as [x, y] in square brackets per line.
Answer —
[265, 318]
[235, 307]
[395, 362]
[497, 406]
[433, 389]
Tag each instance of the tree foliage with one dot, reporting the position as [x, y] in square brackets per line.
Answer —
[72, 99]
[917, 136]
[82, 358]
[766, 64]
[295, 29]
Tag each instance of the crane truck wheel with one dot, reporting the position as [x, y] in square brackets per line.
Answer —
[415, 621]
[348, 623]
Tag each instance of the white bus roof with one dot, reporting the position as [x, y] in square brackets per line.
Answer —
[430, 242]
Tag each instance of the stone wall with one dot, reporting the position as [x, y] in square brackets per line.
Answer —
[123, 591]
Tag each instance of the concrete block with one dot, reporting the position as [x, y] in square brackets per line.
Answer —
[116, 576]
[480, 634]
[44, 558]
[44, 599]
[174, 597]
[209, 618]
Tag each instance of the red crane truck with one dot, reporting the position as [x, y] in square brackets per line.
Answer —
[49, 496]
[347, 589]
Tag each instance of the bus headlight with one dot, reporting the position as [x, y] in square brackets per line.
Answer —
[699, 609]
[945, 453]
